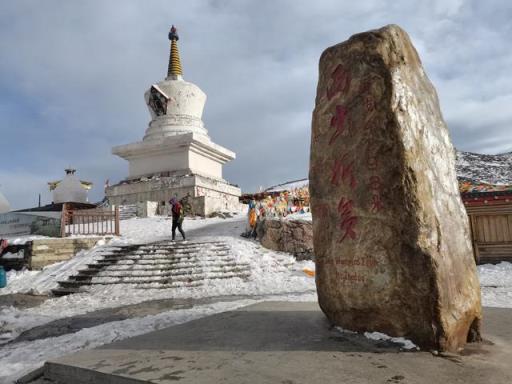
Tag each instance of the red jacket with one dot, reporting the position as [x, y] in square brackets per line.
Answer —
[177, 211]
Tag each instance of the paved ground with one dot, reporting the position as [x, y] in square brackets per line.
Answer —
[286, 343]
[92, 319]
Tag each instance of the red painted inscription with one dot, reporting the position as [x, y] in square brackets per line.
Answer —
[347, 219]
[343, 172]
[340, 81]
[338, 122]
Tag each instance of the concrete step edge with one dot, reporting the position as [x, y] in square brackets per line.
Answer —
[63, 373]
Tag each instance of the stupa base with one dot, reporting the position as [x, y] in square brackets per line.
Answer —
[206, 195]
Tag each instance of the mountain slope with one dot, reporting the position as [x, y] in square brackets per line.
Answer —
[492, 169]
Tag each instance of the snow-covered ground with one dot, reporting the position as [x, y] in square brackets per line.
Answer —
[307, 216]
[274, 276]
[496, 284]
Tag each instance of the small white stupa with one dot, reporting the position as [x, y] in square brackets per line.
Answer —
[70, 189]
[176, 157]
[4, 204]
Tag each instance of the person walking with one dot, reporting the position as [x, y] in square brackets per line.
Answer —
[177, 217]
[252, 219]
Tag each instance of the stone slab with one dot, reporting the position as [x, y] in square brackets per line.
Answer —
[391, 236]
[283, 342]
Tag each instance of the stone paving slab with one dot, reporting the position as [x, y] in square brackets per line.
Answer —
[286, 343]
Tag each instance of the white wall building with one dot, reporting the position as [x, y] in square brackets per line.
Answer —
[176, 157]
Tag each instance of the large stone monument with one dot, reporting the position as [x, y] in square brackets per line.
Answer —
[391, 238]
[176, 156]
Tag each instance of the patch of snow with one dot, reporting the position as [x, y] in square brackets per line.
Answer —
[24, 239]
[496, 284]
[343, 330]
[9, 255]
[405, 343]
[307, 216]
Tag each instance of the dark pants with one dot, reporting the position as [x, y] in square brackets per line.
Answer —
[177, 224]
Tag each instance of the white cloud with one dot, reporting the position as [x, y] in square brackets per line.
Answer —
[73, 76]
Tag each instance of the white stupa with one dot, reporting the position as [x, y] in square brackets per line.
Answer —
[4, 204]
[70, 189]
[176, 156]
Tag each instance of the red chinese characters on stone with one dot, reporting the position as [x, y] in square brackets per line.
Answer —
[369, 103]
[347, 219]
[342, 172]
[377, 204]
[338, 123]
[340, 81]
[375, 185]
[371, 161]
[371, 125]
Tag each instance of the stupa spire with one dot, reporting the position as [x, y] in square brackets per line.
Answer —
[174, 68]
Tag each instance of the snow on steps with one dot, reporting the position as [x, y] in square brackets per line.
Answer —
[164, 264]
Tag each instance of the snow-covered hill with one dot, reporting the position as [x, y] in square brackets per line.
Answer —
[492, 169]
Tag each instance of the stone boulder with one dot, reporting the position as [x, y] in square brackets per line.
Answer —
[391, 237]
[292, 236]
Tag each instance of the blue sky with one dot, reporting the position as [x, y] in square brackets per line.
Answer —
[73, 75]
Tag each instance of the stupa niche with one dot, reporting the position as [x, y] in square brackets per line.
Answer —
[176, 156]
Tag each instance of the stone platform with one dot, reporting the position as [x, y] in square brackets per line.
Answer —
[207, 194]
[283, 342]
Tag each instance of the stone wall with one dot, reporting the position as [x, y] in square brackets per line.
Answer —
[292, 236]
[207, 195]
[43, 252]
[147, 209]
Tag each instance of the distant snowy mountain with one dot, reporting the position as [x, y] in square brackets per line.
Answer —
[288, 186]
[492, 169]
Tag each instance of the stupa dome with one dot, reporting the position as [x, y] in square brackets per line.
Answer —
[4, 204]
[70, 189]
[176, 106]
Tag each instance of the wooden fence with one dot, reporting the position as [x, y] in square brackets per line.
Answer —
[491, 231]
[97, 221]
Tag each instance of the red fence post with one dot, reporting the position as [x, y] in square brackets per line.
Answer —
[118, 232]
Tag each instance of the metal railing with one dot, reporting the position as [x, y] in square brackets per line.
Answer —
[97, 221]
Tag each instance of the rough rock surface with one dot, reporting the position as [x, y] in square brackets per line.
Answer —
[391, 237]
[292, 236]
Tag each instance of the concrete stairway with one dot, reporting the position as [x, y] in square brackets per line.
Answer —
[163, 265]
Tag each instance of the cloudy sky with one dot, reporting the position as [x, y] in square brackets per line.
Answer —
[73, 75]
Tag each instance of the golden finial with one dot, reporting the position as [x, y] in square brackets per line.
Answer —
[174, 68]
